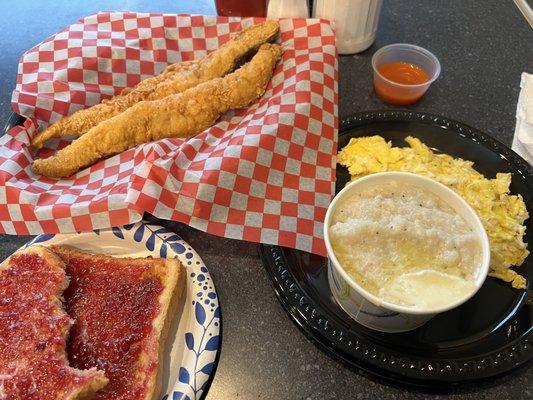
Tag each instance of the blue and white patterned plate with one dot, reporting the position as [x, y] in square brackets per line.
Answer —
[189, 358]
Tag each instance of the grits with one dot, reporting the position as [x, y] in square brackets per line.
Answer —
[406, 246]
[501, 213]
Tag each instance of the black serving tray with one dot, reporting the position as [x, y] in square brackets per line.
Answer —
[485, 338]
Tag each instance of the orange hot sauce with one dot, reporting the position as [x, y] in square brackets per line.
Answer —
[402, 73]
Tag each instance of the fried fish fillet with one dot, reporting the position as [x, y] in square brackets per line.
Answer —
[151, 83]
[176, 79]
[179, 115]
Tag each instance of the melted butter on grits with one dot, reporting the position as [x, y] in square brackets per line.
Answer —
[501, 213]
[427, 289]
[406, 246]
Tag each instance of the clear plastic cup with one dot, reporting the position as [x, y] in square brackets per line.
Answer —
[400, 93]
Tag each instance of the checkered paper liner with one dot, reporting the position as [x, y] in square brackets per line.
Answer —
[263, 174]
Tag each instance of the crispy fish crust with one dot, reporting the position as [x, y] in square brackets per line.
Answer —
[176, 79]
[151, 83]
[178, 115]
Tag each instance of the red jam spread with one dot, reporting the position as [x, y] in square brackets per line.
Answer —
[33, 330]
[114, 303]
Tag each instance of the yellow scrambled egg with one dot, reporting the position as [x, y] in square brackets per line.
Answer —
[502, 214]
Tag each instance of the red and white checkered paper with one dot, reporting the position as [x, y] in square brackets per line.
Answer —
[263, 174]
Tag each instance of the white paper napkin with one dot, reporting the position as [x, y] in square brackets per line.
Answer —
[523, 134]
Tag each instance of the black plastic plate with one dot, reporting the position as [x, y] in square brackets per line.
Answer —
[486, 337]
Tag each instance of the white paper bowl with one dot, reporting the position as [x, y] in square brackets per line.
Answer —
[370, 310]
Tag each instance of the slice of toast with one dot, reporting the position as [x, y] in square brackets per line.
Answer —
[122, 308]
[34, 329]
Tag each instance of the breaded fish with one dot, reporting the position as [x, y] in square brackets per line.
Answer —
[151, 83]
[178, 115]
[176, 80]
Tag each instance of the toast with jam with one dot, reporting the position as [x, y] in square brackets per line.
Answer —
[122, 309]
[33, 332]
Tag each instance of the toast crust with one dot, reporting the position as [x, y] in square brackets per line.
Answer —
[160, 285]
[34, 331]
[170, 300]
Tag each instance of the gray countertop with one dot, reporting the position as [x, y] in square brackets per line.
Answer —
[483, 47]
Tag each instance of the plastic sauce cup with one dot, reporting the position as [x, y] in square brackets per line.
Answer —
[399, 93]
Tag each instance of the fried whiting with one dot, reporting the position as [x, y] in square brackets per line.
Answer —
[178, 115]
[176, 79]
[151, 83]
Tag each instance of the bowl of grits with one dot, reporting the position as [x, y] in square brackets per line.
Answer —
[401, 249]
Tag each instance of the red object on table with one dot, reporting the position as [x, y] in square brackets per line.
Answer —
[241, 8]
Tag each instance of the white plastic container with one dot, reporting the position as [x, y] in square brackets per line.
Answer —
[287, 9]
[355, 22]
[370, 310]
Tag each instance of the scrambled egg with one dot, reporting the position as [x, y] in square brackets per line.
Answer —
[502, 214]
